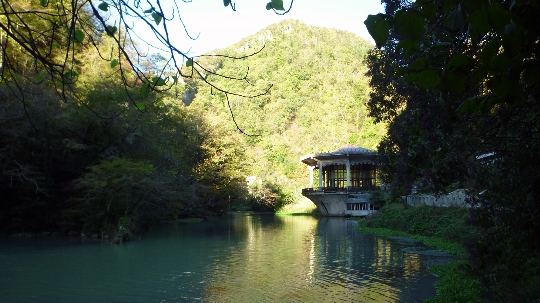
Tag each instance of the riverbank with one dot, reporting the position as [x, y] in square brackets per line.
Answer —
[441, 228]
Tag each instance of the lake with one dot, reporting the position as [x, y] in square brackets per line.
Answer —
[241, 257]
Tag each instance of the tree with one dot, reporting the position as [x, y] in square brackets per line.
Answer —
[42, 42]
[114, 189]
[460, 87]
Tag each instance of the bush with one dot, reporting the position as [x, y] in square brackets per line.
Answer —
[114, 189]
[445, 223]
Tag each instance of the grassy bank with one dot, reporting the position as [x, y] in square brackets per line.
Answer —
[302, 206]
[442, 228]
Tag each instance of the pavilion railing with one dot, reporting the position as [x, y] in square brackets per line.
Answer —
[349, 189]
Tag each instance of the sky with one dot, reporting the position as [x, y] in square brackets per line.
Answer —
[218, 26]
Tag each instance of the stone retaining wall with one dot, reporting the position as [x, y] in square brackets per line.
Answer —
[455, 198]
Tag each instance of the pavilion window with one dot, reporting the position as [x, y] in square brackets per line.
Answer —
[335, 176]
[368, 175]
[356, 176]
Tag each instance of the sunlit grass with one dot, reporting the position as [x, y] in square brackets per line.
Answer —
[302, 206]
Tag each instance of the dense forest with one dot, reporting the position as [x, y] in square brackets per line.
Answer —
[100, 152]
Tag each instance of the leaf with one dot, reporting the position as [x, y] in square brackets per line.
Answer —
[401, 72]
[226, 2]
[500, 63]
[490, 50]
[43, 2]
[429, 10]
[474, 5]
[455, 19]
[460, 60]
[145, 90]
[79, 35]
[70, 76]
[455, 80]
[189, 62]
[157, 17]
[54, 45]
[531, 73]
[510, 28]
[175, 79]
[269, 6]
[111, 30]
[470, 105]
[447, 6]
[418, 64]
[38, 78]
[278, 5]
[479, 103]
[409, 24]
[378, 27]
[409, 48]
[148, 11]
[479, 21]
[498, 16]
[425, 79]
[158, 81]
[140, 106]
[114, 63]
[501, 85]
[104, 6]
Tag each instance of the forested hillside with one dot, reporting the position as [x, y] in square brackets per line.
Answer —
[315, 104]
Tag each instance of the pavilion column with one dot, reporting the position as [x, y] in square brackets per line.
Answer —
[348, 173]
[311, 168]
[375, 173]
[320, 176]
[363, 175]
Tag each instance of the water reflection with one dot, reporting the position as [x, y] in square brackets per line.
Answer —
[308, 259]
[242, 258]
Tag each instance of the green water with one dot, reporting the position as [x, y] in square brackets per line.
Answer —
[240, 258]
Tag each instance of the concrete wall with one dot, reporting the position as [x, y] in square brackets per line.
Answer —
[329, 204]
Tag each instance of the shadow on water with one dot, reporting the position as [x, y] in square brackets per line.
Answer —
[240, 258]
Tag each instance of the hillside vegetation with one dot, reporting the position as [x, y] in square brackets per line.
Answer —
[316, 103]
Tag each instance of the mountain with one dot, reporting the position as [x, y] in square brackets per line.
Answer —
[316, 102]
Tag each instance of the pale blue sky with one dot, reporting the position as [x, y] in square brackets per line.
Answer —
[220, 27]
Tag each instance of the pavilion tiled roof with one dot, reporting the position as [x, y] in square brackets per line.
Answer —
[344, 151]
[353, 150]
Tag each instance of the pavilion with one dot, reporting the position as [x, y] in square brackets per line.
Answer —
[346, 177]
